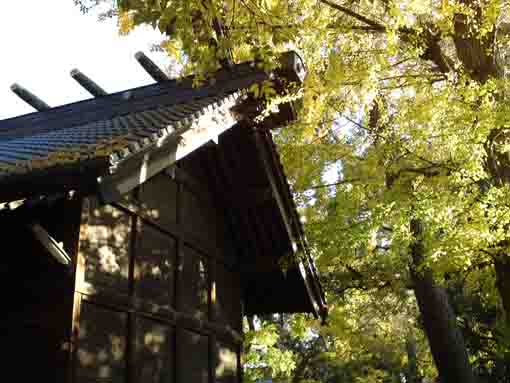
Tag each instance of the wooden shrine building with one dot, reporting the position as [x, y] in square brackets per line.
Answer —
[139, 227]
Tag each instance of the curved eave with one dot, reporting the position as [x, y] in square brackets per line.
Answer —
[288, 210]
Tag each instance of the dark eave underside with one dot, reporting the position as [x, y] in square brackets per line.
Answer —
[267, 287]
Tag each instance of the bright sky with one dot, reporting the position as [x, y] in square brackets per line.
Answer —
[43, 40]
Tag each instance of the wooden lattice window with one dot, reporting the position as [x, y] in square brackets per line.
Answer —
[106, 244]
[154, 270]
[101, 354]
[153, 361]
[192, 357]
[160, 305]
[193, 287]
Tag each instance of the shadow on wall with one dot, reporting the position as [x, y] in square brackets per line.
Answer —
[134, 278]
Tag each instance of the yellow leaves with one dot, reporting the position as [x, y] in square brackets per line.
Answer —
[264, 90]
[372, 241]
[267, 336]
[242, 52]
[478, 24]
[301, 326]
[174, 48]
[125, 22]
[491, 13]
[168, 17]
[265, 352]
[444, 6]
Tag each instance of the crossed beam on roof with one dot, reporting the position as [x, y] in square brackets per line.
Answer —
[88, 84]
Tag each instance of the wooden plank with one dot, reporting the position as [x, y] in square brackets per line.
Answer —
[158, 200]
[200, 219]
[235, 239]
[79, 279]
[159, 313]
[227, 307]
[240, 370]
[225, 164]
[73, 349]
[54, 248]
[197, 186]
[276, 190]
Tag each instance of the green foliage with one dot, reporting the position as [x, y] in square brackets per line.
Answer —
[265, 358]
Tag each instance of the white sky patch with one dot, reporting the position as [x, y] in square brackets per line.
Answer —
[341, 127]
[332, 173]
[43, 40]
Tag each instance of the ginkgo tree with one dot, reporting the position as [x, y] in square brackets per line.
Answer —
[400, 158]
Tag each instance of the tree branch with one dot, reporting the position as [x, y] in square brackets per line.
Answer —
[341, 182]
[373, 24]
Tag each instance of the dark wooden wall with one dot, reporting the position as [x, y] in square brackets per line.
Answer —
[37, 299]
[158, 296]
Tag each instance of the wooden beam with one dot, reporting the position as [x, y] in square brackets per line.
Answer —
[293, 237]
[113, 187]
[150, 67]
[275, 189]
[89, 85]
[54, 248]
[30, 98]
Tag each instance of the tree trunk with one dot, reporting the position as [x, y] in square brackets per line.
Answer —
[478, 55]
[502, 266]
[411, 373]
[445, 339]
[251, 322]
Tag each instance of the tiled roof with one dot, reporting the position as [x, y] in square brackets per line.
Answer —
[114, 127]
[117, 137]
